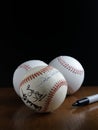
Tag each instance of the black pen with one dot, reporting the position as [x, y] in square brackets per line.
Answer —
[86, 100]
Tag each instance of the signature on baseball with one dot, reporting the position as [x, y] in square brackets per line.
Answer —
[27, 101]
[36, 96]
[45, 79]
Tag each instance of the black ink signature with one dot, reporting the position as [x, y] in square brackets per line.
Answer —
[44, 79]
[36, 95]
[25, 99]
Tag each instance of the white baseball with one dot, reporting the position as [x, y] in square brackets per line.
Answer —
[22, 69]
[72, 70]
[43, 89]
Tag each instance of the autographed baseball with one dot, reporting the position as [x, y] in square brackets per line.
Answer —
[72, 70]
[43, 89]
[22, 69]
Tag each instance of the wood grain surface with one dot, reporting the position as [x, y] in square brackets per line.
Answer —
[14, 115]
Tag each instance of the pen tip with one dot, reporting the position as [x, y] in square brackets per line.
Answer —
[75, 104]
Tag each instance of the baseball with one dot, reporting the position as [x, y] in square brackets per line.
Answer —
[43, 89]
[72, 70]
[22, 69]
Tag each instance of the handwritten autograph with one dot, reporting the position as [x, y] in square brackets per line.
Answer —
[35, 94]
[27, 101]
[44, 79]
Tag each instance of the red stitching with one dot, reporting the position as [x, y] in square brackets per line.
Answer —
[52, 93]
[35, 75]
[69, 67]
[27, 67]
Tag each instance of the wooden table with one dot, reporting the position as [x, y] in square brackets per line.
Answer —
[14, 115]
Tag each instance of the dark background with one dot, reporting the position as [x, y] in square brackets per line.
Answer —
[47, 29]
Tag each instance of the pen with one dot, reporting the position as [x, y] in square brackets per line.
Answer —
[86, 100]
